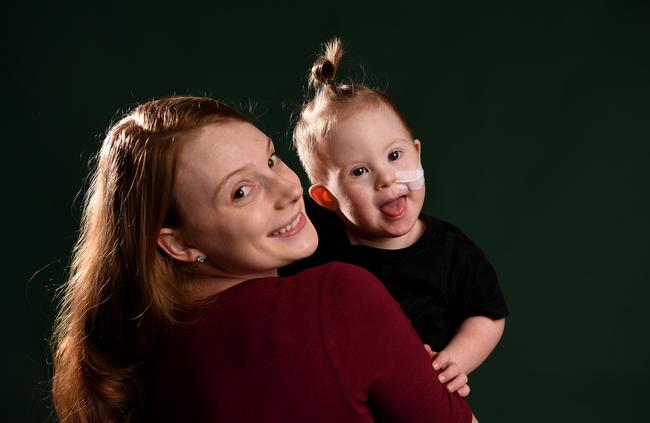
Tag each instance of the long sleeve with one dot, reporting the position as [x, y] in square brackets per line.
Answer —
[376, 355]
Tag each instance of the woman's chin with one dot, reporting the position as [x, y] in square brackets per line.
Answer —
[308, 245]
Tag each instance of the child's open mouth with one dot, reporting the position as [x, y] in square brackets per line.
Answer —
[394, 209]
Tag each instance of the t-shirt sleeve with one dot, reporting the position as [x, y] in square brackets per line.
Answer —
[378, 359]
[476, 282]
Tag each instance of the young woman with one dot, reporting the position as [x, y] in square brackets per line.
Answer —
[174, 311]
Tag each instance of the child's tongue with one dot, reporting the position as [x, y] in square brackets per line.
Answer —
[394, 208]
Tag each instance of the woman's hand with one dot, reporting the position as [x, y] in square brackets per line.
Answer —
[450, 373]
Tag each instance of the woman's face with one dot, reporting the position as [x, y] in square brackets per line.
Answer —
[242, 207]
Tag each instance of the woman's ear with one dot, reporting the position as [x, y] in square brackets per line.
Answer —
[323, 197]
[171, 241]
[418, 146]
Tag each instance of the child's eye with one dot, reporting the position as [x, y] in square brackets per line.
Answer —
[394, 155]
[241, 192]
[274, 159]
[358, 171]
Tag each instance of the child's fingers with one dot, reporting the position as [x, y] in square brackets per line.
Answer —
[457, 382]
[432, 354]
[450, 372]
[441, 360]
[429, 351]
[464, 390]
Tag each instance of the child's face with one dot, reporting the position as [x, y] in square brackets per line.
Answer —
[365, 151]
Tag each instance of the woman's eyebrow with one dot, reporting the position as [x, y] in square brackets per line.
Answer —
[219, 187]
[229, 176]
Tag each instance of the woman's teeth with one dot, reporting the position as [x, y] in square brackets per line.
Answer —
[287, 228]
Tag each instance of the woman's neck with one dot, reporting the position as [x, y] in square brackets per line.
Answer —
[202, 287]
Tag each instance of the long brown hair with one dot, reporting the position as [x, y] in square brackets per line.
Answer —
[122, 289]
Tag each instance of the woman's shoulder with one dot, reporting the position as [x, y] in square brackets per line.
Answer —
[339, 273]
[347, 286]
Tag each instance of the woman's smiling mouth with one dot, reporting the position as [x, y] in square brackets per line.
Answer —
[290, 228]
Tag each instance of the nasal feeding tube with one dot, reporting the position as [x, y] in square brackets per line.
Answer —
[410, 179]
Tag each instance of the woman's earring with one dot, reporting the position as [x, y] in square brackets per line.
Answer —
[200, 259]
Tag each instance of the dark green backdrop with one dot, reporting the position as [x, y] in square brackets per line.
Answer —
[534, 119]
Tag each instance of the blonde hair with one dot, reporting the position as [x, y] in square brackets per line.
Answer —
[332, 102]
[122, 289]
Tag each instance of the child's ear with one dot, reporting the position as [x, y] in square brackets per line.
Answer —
[418, 146]
[172, 242]
[323, 197]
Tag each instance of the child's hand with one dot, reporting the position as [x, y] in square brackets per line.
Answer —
[450, 373]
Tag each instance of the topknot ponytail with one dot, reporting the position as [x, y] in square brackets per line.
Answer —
[324, 68]
[331, 102]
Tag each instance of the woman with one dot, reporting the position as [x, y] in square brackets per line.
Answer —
[174, 312]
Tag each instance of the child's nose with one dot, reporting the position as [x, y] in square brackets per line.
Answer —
[385, 178]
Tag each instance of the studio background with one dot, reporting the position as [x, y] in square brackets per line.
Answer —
[535, 130]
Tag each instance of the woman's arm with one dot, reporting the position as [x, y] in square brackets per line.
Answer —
[377, 356]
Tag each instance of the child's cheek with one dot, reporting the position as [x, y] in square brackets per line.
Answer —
[360, 204]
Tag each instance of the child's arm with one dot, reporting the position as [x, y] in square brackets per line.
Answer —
[473, 343]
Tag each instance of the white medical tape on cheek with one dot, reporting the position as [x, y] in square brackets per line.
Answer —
[411, 179]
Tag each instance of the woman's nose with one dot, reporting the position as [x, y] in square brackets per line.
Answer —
[288, 190]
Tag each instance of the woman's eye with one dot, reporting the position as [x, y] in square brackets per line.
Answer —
[359, 171]
[241, 192]
[273, 160]
[394, 155]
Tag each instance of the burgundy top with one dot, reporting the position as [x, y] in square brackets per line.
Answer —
[328, 344]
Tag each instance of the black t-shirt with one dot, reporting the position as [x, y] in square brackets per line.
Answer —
[439, 281]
